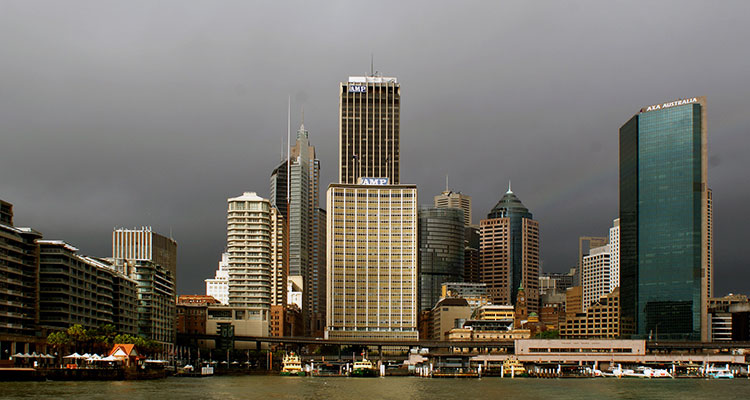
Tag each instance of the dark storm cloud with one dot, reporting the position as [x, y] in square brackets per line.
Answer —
[129, 113]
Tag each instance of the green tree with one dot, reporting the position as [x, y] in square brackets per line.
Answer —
[78, 335]
[549, 334]
[59, 339]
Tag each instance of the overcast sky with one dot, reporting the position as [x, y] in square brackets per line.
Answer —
[131, 113]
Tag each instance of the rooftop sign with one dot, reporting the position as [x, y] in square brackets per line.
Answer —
[373, 181]
[670, 104]
[357, 88]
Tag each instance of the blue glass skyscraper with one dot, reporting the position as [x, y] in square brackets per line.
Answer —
[663, 222]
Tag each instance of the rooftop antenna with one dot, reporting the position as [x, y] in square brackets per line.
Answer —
[372, 65]
[509, 191]
[446, 182]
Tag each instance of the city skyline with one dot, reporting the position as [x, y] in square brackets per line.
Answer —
[176, 159]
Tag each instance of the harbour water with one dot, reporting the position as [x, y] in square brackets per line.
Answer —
[400, 388]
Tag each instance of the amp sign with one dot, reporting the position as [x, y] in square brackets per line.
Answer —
[357, 88]
[373, 181]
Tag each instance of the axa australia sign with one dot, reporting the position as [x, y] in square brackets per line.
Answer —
[670, 104]
[373, 181]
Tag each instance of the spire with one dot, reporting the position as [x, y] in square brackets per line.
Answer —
[302, 133]
[509, 191]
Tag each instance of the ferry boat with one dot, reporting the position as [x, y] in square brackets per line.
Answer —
[513, 367]
[291, 366]
[364, 368]
[719, 373]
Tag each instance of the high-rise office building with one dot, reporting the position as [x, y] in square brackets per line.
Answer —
[509, 252]
[318, 283]
[441, 252]
[472, 270]
[301, 211]
[217, 287]
[585, 244]
[279, 256]
[664, 221]
[451, 199]
[369, 129]
[372, 261]
[134, 245]
[596, 275]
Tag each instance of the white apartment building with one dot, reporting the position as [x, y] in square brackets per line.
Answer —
[218, 287]
[249, 231]
[595, 275]
[372, 261]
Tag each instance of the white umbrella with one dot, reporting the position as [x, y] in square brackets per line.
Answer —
[19, 355]
[86, 355]
[74, 355]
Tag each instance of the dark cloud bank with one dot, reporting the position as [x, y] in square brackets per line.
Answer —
[153, 113]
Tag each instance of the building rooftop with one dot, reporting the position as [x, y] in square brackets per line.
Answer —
[509, 203]
[372, 79]
[247, 196]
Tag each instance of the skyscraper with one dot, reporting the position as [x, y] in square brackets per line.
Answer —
[664, 221]
[217, 287]
[509, 252]
[136, 245]
[369, 129]
[302, 215]
[596, 272]
[441, 252]
[249, 232]
[451, 199]
[372, 262]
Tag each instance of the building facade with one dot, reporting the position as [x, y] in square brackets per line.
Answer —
[601, 320]
[596, 275]
[249, 232]
[218, 286]
[19, 286]
[664, 221]
[474, 293]
[372, 261]
[157, 309]
[441, 252]
[279, 257]
[472, 262]
[444, 315]
[369, 129]
[299, 207]
[451, 199]
[509, 252]
[134, 245]
[614, 255]
[76, 289]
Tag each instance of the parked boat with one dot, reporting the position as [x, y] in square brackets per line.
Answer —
[291, 365]
[363, 368]
[512, 367]
[719, 373]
